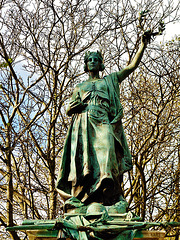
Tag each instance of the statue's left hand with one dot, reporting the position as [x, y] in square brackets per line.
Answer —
[147, 37]
[150, 34]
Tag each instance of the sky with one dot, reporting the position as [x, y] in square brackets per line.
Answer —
[171, 30]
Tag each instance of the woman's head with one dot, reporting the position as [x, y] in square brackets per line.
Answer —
[89, 55]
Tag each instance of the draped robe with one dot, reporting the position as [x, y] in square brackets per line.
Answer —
[95, 153]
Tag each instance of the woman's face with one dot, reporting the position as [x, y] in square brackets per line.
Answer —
[93, 63]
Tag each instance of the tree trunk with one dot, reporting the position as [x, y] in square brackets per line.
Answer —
[9, 180]
[52, 200]
[52, 160]
[178, 196]
[53, 194]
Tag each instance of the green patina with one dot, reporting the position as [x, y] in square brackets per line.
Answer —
[79, 227]
[96, 153]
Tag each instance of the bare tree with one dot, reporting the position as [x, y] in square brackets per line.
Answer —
[152, 121]
[42, 46]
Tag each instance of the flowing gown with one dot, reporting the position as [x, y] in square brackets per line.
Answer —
[95, 153]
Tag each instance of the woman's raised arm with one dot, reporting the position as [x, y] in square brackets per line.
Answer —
[125, 72]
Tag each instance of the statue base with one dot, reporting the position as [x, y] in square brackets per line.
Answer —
[93, 222]
[53, 235]
[149, 235]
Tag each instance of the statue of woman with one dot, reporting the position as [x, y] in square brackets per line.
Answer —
[96, 153]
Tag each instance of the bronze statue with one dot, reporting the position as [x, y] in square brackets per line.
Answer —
[96, 153]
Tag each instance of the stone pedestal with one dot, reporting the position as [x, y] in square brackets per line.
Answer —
[42, 235]
[52, 235]
[149, 235]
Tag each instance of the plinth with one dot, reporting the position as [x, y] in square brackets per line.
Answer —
[52, 235]
[76, 226]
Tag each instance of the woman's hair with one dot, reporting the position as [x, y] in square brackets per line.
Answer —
[99, 56]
